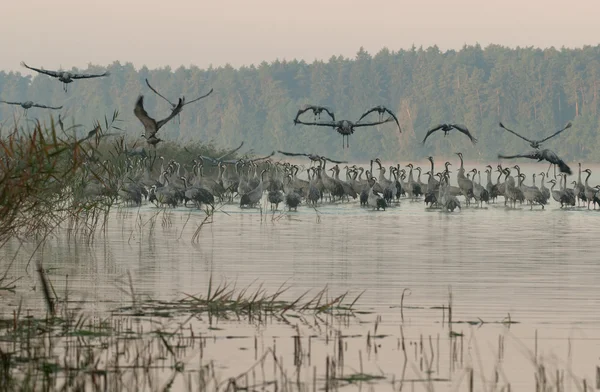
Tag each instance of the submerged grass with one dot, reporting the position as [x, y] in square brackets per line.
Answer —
[144, 346]
[225, 301]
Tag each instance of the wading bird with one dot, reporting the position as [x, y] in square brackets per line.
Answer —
[65, 76]
[344, 127]
[151, 126]
[29, 104]
[542, 155]
[173, 105]
[536, 143]
[447, 128]
[317, 110]
[381, 110]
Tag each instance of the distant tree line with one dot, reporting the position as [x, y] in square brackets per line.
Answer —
[533, 91]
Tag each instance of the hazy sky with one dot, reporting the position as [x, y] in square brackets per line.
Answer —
[157, 33]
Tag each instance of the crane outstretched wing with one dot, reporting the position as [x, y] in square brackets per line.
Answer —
[159, 94]
[551, 157]
[330, 112]
[514, 133]
[148, 122]
[91, 133]
[463, 129]
[212, 160]
[47, 107]
[174, 113]
[334, 161]
[50, 73]
[331, 124]
[314, 108]
[89, 76]
[432, 130]
[293, 154]
[260, 159]
[10, 103]
[230, 152]
[554, 134]
[387, 120]
[199, 98]
[564, 168]
[365, 114]
[378, 109]
[530, 155]
[395, 119]
[300, 111]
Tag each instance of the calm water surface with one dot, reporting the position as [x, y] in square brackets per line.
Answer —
[541, 267]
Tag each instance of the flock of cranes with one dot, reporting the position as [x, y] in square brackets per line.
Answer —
[205, 182]
[64, 76]
[250, 180]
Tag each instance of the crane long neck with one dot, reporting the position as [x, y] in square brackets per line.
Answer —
[588, 176]
[563, 185]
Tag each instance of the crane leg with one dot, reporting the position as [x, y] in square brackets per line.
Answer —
[548, 171]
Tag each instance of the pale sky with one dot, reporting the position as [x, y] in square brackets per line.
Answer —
[157, 33]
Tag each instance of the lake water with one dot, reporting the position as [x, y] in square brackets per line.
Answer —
[539, 267]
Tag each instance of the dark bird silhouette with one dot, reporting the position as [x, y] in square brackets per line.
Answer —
[312, 157]
[244, 160]
[29, 104]
[151, 126]
[65, 76]
[215, 161]
[317, 110]
[174, 105]
[447, 128]
[381, 110]
[345, 127]
[542, 155]
[97, 133]
[536, 143]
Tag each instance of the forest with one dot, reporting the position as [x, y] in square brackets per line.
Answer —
[533, 91]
